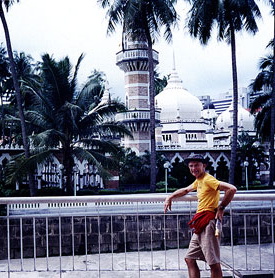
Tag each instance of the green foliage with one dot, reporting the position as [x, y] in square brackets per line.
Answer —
[260, 107]
[228, 16]
[171, 183]
[249, 150]
[136, 169]
[160, 185]
[160, 83]
[9, 191]
[141, 19]
[74, 122]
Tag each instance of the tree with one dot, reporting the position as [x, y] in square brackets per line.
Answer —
[263, 105]
[4, 76]
[25, 73]
[76, 124]
[16, 85]
[250, 150]
[230, 16]
[160, 83]
[142, 20]
[272, 116]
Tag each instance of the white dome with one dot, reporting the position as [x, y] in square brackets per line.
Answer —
[176, 102]
[245, 119]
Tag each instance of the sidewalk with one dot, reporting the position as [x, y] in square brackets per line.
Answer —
[152, 265]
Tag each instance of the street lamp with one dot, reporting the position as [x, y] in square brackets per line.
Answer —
[61, 168]
[75, 169]
[246, 176]
[166, 166]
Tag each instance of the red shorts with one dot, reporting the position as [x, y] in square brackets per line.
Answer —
[205, 246]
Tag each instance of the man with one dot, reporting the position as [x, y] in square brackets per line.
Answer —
[204, 245]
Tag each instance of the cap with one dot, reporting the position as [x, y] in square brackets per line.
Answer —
[195, 157]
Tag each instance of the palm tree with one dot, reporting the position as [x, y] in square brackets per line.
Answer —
[160, 83]
[14, 75]
[142, 20]
[262, 107]
[7, 4]
[25, 73]
[4, 75]
[64, 120]
[272, 116]
[230, 17]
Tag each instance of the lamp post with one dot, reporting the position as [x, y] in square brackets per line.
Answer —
[246, 175]
[75, 169]
[61, 168]
[166, 166]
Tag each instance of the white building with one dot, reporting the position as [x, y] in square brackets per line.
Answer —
[186, 124]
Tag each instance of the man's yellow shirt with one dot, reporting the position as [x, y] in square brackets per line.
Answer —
[207, 192]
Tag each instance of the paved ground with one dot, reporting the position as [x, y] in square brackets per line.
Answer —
[121, 266]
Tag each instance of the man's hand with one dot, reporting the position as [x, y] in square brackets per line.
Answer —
[178, 193]
[167, 204]
[219, 214]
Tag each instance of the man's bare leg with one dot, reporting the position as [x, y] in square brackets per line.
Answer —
[193, 269]
[216, 271]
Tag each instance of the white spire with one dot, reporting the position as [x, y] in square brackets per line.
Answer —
[174, 61]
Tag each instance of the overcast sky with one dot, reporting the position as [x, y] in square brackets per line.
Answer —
[68, 28]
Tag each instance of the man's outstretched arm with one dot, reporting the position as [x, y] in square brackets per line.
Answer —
[178, 193]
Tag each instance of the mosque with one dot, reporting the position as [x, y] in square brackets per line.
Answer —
[183, 124]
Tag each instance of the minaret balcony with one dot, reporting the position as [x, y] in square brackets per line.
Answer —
[140, 115]
[128, 57]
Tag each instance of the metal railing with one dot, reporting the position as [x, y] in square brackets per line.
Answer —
[127, 233]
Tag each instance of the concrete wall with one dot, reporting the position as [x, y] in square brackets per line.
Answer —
[120, 233]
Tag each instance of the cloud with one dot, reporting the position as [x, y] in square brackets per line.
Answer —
[68, 28]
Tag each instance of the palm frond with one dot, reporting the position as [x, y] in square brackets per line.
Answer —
[228, 16]
[262, 81]
[92, 91]
[48, 138]
[37, 119]
[9, 3]
[73, 82]
[57, 77]
[259, 102]
[19, 166]
[93, 158]
[262, 123]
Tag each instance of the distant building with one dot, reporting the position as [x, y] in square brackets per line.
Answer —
[223, 100]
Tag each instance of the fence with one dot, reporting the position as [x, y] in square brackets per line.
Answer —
[127, 233]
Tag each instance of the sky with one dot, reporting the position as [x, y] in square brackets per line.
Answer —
[69, 28]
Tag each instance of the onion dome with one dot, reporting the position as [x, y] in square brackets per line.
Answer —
[245, 119]
[176, 102]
